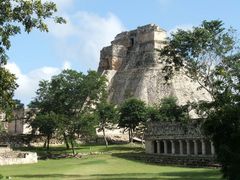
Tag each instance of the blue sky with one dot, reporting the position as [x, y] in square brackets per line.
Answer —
[92, 24]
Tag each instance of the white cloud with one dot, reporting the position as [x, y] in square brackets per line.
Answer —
[67, 65]
[62, 30]
[28, 83]
[84, 35]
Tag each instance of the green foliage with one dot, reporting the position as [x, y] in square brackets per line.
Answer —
[199, 50]
[107, 115]
[153, 113]
[168, 110]
[132, 112]
[223, 120]
[46, 124]
[87, 125]
[224, 128]
[71, 95]
[210, 55]
[7, 87]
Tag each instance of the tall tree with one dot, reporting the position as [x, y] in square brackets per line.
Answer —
[7, 86]
[209, 54]
[16, 15]
[73, 96]
[132, 112]
[107, 115]
[46, 124]
[199, 51]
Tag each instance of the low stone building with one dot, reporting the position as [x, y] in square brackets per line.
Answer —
[181, 143]
[17, 124]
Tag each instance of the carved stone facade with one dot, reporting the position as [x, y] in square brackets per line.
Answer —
[179, 140]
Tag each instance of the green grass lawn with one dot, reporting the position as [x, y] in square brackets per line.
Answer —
[105, 166]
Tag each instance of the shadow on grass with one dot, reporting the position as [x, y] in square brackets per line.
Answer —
[61, 150]
[133, 156]
[122, 148]
[185, 175]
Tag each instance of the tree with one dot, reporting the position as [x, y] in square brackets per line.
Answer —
[45, 124]
[72, 96]
[132, 112]
[168, 110]
[107, 115]
[198, 52]
[7, 86]
[16, 15]
[83, 126]
[209, 54]
[223, 116]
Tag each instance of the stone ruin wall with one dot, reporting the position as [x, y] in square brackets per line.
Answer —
[10, 157]
[134, 69]
[179, 143]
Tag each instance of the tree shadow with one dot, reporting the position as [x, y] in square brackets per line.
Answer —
[185, 175]
[122, 148]
[133, 156]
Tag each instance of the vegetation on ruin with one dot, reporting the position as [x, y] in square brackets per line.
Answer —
[210, 55]
[114, 164]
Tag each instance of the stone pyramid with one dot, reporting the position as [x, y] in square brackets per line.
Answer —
[134, 69]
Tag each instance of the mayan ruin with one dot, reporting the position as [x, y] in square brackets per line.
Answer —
[118, 89]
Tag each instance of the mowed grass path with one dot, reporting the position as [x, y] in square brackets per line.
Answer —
[105, 166]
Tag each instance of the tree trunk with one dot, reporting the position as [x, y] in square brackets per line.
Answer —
[65, 140]
[130, 135]
[48, 141]
[131, 130]
[104, 136]
[45, 144]
[142, 139]
[72, 145]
